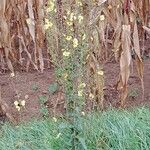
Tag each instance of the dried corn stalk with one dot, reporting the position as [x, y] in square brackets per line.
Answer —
[111, 26]
[121, 17]
[22, 34]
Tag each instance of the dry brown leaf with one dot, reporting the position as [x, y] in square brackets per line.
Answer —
[125, 61]
[139, 62]
[30, 21]
[146, 29]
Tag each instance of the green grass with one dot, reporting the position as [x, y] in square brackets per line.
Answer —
[110, 130]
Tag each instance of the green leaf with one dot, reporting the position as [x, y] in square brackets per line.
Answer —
[53, 88]
[35, 87]
[43, 99]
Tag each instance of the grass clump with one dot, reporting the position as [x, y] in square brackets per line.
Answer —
[110, 130]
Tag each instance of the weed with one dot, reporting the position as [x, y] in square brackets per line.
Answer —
[35, 87]
[44, 110]
[53, 88]
[113, 129]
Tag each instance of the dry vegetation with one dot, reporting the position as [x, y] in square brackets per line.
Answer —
[102, 29]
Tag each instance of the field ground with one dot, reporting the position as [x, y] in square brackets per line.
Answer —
[35, 85]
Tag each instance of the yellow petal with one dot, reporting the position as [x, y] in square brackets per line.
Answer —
[102, 17]
[65, 17]
[75, 42]
[23, 102]
[55, 119]
[18, 108]
[65, 76]
[80, 93]
[69, 23]
[48, 24]
[68, 12]
[68, 38]
[16, 103]
[50, 6]
[91, 96]
[65, 53]
[71, 16]
[83, 113]
[82, 85]
[12, 74]
[79, 3]
[80, 18]
[100, 72]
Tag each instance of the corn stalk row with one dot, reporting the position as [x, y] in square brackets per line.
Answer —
[112, 28]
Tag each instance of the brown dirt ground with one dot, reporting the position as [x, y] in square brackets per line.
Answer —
[135, 90]
[35, 85]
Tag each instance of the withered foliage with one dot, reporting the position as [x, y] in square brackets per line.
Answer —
[22, 34]
[114, 28]
[118, 26]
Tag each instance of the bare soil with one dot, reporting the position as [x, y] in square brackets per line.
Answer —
[135, 89]
[31, 86]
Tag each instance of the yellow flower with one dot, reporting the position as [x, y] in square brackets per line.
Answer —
[80, 18]
[68, 12]
[18, 108]
[75, 42]
[74, 17]
[16, 103]
[91, 96]
[19, 104]
[68, 38]
[23, 102]
[69, 23]
[50, 7]
[79, 2]
[102, 17]
[82, 85]
[80, 93]
[65, 53]
[83, 113]
[55, 119]
[100, 72]
[71, 16]
[12, 74]
[65, 17]
[48, 24]
[65, 75]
